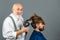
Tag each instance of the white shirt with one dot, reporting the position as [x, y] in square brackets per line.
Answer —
[8, 29]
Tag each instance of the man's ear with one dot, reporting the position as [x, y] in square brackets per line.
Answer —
[12, 10]
[37, 25]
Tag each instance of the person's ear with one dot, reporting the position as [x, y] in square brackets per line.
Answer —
[37, 25]
[12, 9]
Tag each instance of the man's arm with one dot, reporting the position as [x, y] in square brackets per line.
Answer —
[8, 29]
[19, 32]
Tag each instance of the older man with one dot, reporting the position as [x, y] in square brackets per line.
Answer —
[13, 28]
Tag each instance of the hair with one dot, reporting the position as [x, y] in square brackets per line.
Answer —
[16, 4]
[36, 20]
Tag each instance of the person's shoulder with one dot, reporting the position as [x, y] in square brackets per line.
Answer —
[33, 34]
[7, 19]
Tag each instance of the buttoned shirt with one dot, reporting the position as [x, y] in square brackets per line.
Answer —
[8, 29]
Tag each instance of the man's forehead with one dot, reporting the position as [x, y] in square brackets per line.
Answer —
[17, 5]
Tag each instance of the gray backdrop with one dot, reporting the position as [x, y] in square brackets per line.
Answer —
[49, 10]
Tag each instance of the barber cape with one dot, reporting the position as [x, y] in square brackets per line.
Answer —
[37, 36]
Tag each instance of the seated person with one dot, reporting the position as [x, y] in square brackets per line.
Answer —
[38, 25]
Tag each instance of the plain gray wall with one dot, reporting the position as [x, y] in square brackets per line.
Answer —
[49, 10]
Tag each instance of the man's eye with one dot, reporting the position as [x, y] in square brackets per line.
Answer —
[19, 9]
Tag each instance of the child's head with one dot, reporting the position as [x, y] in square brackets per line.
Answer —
[37, 22]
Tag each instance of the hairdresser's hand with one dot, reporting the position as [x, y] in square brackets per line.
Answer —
[19, 32]
[25, 29]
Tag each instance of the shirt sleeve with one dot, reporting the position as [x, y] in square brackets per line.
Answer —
[8, 29]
